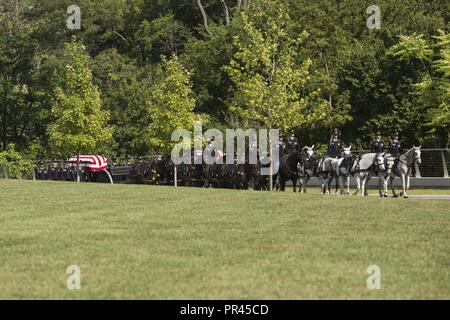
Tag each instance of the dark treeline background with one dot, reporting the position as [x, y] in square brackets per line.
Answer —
[368, 87]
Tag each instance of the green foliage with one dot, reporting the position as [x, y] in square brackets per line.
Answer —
[440, 115]
[171, 104]
[433, 89]
[353, 78]
[162, 36]
[14, 163]
[270, 84]
[411, 47]
[80, 123]
[125, 89]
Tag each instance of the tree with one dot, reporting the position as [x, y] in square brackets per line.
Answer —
[433, 89]
[80, 123]
[161, 36]
[271, 85]
[171, 104]
[21, 113]
[125, 90]
[364, 87]
[440, 113]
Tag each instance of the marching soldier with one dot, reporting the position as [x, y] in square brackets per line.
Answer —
[335, 146]
[395, 148]
[292, 144]
[378, 144]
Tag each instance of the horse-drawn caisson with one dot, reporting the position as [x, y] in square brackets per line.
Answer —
[296, 164]
[90, 168]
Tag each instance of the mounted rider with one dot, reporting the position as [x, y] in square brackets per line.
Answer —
[282, 147]
[335, 146]
[378, 145]
[395, 147]
[292, 143]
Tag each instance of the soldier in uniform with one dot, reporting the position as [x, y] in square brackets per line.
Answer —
[378, 144]
[282, 147]
[292, 144]
[335, 146]
[395, 148]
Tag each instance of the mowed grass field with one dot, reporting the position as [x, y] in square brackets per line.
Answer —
[148, 242]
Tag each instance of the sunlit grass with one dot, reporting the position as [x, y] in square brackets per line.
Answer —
[163, 243]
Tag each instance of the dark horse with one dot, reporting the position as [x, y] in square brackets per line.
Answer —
[289, 171]
[257, 175]
[161, 171]
[220, 175]
[139, 172]
[307, 166]
[244, 175]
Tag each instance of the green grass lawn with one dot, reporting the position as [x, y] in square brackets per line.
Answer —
[163, 243]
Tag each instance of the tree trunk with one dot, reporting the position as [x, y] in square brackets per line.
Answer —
[204, 16]
[241, 3]
[225, 12]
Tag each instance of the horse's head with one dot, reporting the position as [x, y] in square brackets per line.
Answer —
[379, 161]
[347, 152]
[309, 151]
[349, 162]
[389, 162]
[417, 154]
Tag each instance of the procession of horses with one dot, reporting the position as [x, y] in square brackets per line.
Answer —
[297, 167]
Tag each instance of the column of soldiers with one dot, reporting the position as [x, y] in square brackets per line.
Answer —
[378, 145]
[289, 147]
[336, 145]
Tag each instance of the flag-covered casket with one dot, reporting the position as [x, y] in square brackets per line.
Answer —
[90, 163]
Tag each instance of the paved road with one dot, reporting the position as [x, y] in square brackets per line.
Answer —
[441, 197]
[430, 197]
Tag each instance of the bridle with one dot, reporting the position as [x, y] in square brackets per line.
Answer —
[348, 161]
[413, 158]
[378, 163]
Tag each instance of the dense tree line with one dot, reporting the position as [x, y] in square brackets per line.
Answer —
[293, 64]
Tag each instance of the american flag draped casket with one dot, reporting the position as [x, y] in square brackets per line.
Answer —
[90, 163]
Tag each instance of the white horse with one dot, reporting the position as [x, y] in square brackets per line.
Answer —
[383, 175]
[403, 169]
[364, 167]
[324, 172]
